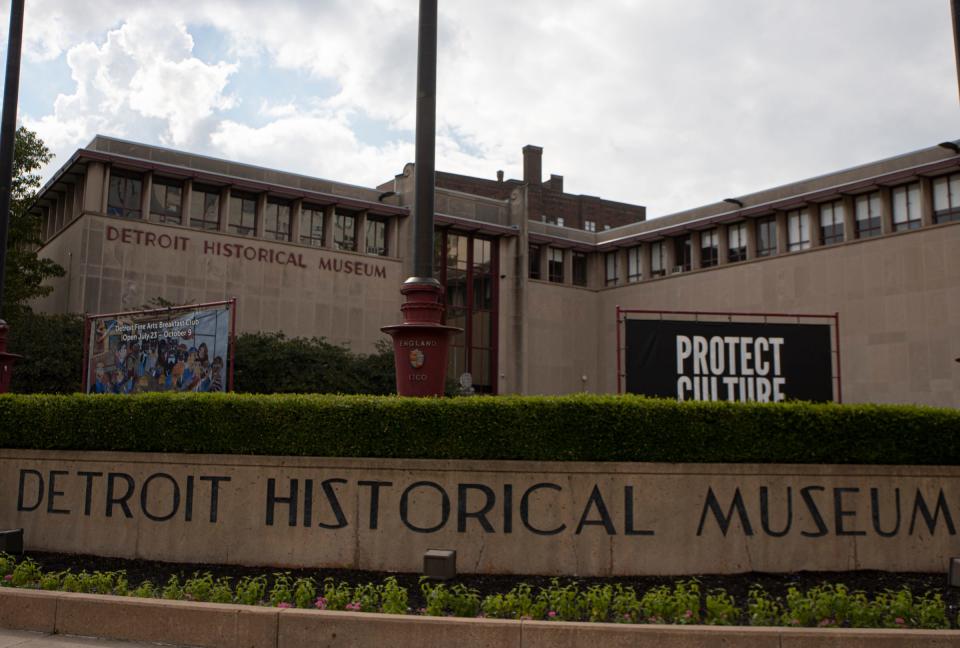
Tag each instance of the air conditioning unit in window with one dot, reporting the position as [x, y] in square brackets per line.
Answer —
[677, 269]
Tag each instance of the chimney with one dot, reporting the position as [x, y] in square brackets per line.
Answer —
[499, 175]
[533, 164]
[556, 182]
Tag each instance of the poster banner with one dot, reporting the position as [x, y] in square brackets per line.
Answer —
[735, 361]
[185, 349]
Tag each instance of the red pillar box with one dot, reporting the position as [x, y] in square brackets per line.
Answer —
[420, 344]
[6, 359]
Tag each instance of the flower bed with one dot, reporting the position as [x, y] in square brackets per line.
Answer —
[683, 602]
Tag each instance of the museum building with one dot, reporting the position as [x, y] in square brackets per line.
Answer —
[533, 275]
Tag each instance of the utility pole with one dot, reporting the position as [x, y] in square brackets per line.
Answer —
[8, 133]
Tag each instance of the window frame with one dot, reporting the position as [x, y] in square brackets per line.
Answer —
[765, 228]
[739, 252]
[611, 273]
[274, 234]
[634, 264]
[836, 222]
[201, 193]
[344, 244]
[911, 205]
[379, 228]
[579, 265]
[555, 265]
[873, 218]
[159, 210]
[240, 227]
[802, 218]
[123, 210]
[710, 254]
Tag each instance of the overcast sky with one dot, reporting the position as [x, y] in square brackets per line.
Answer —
[663, 103]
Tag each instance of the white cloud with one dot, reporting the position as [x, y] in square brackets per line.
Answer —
[142, 82]
[661, 103]
[319, 144]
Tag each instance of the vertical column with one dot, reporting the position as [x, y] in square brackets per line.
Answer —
[361, 224]
[669, 255]
[886, 210]
[296, 209]
[544, 265]
[186, 197]
[695, 250]
[92, 192]
[723, 244]
[147, 191]
[392, 236]
[261, 217]
[568, 266]
[926, 202]
[816, 234]
[849, 218]
[329, 211]
[751, 230]
[105, 192]
[224, 213]
[646, 267]
[782, 243]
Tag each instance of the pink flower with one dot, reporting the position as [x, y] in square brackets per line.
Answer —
[626, 616]
[825, 622]
[8, 577]
[688, 614]
[320, 603]
[899, 621]
[353, 607]
[551, 614]
[284, 604]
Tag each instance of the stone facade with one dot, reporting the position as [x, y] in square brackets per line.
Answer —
[875, 245]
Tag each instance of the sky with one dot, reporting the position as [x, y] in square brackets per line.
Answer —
[654, 102]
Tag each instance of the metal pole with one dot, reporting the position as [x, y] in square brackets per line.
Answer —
[8, 131]
[425, 153]
[955, 15]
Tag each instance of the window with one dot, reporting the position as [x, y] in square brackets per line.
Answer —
[906, 207]
[737, 242]
[579, 269]
[798, 230]
[658, 264]
[634, 269]
[610, 269]
[831, 222]
[464, 260]
[165, 200]
[682, 253]
[709, 248]
[867, 211]
[124, 197]
[555, 265]
[946, 198]
[533, 259]
[344, 231]
[205, 208]
[276, 221]
[311, 226]
[590, 226]
[766, 236]
[376, 237]
[243, 214]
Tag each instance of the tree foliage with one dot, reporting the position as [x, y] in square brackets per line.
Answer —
[25, 271]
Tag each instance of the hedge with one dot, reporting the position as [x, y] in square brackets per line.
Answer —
[565, 428]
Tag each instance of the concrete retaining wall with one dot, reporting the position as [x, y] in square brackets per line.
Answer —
[211, 625]
[574, 519]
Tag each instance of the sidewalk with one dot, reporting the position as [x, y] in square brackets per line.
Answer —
[20, 639]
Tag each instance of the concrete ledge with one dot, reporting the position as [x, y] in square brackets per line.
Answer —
[361, 630]
[28, 610]
[211, 625]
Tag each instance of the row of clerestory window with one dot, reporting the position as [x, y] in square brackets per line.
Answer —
[125, 200]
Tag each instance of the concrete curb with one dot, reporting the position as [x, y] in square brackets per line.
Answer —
[213, 625]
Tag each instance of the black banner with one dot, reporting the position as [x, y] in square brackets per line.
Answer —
[734, 361]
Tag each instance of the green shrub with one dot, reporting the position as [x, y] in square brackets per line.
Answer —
[562, 428]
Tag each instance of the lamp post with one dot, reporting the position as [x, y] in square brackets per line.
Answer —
[421, 343]
[8, 131]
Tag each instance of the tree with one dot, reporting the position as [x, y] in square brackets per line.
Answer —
[25, 271]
